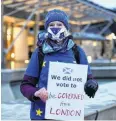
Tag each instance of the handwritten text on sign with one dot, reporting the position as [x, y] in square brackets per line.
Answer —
[66, 91]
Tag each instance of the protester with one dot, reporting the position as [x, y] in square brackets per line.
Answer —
[56, 45]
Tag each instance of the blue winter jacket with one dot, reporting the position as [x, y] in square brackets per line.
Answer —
[37, 111]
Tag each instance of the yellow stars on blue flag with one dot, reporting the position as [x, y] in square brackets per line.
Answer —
[39, 112]
[43, 65]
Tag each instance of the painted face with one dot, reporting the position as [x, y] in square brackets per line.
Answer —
[57, 31]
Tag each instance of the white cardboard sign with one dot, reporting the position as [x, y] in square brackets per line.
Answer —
[66, 91]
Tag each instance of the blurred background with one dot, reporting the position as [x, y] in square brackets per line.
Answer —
[93, 26]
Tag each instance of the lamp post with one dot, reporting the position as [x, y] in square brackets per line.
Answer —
[36, 29]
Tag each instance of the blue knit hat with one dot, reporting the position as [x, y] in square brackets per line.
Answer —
[56, 15]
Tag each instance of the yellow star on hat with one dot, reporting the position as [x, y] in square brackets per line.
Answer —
[39, 112]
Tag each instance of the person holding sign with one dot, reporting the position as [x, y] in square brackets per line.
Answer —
[54, 45]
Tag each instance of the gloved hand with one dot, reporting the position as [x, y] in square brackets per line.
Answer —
[91, 86]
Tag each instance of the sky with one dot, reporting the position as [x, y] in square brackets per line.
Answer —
[106, 3]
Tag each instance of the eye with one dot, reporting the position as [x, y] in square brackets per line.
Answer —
[51, 24]
[59, 24]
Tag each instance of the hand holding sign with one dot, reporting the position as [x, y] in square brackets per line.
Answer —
[42, 94]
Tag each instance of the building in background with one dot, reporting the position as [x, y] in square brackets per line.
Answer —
[90, 26]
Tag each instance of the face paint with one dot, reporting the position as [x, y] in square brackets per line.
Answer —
[57, 31]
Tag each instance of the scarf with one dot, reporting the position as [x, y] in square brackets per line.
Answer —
[50, 46]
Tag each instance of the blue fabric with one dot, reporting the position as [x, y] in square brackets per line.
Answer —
[33, 66]
[32, 70]
[41, 38]
[52, 46]
[62, 48]
[56, 15]
[55, 30]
